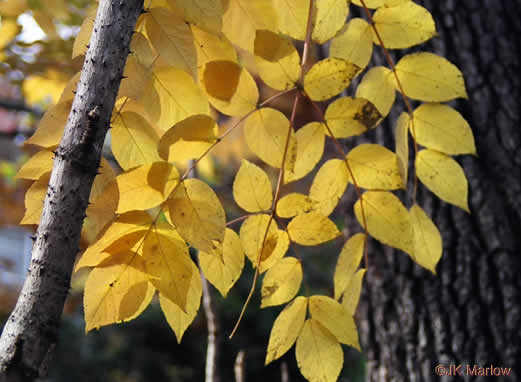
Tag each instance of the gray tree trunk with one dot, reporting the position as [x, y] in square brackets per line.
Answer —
[470, 314]
[30, 334]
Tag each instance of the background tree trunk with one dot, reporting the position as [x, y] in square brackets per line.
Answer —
[470, 314]
[30, 333]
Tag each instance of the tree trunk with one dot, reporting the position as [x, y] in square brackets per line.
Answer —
[470, 313]
[29, 335]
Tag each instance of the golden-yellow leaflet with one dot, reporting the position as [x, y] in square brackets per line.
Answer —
[348, 262]
[329, 18]
[354, 43]
[352, 292]
[146, 186]
[403, 26]
[230, 88]
[243, 17]
[70, 88]
[212, 47]
[46, 86]
[83, 37]
[206, 14]
[8, 31]
[286, 329]
[169, 265]
[294, 204]
[252, 188]
[312, 228]
[277, 60]
[443, 176]
[171, 36]
[134, 141]
[13, 8]
[51, 127]
[34, 200]
[266, 131]
[197, 214]
[346, 116]
[116, 291]
[223, 266]
[442, 128]
[377, 87]
[401, 141]
[427, 239]
[292, 16]
[171, 96]
[380, 3]
[39, 164]
[253, 236]
[189, 138]
[135, 223]
[329, 77]
[101, 211]
[387, 219]
[310, 147]
[374, 167]
[178, 320]
[319, 355]
[281, 283]
[142, 50]
[332, 315]
[329, 185]
[428, 77]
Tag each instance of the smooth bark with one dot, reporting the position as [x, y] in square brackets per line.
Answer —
[29, 335]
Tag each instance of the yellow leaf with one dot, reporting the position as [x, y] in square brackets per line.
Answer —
[428, 77]
[189, 138]
[403, 26]
[197, 214]
[286, 329]
[319, 355]
[427, 239]
[387, 219]
[243, 17]
[171, 96]
[178, 320]
[102, 209]
[332, 315]
[375, 167]
[39, 164]
[270, 125]
[312, 228]
[294, 204]
[377, 87]
[281, 283]
[137, 78]
[443, 176]
[352, 292]
[134, 141]
[292, 16]
[348, 116]
[277, 60]
[146, 186]
[402, 145]
[212, 47]
[82, 39]
[348, 262]
[135, 224]
[329, 77]
[70, 88]
[230, 88]
[442, 128]
[380, 3]
[329, 17]
[253, 236]
[223, 265]
[252, 188]
[310, 147]
[329, 185]
[8, 31]
[206, 14]
[13, 8]
[354, 43]
[172, 38]
[142, 50]
[116, 291]
[34, 200]
[51, 127]
[169, 265]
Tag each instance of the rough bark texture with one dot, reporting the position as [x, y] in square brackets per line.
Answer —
[470, 314]
[29, 335]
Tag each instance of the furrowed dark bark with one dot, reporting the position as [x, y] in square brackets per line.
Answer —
[30, 333]
[470, 313]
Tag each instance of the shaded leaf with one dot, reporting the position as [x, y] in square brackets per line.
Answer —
[377, 87]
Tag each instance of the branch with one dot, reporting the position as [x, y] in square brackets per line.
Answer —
[31, 331]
